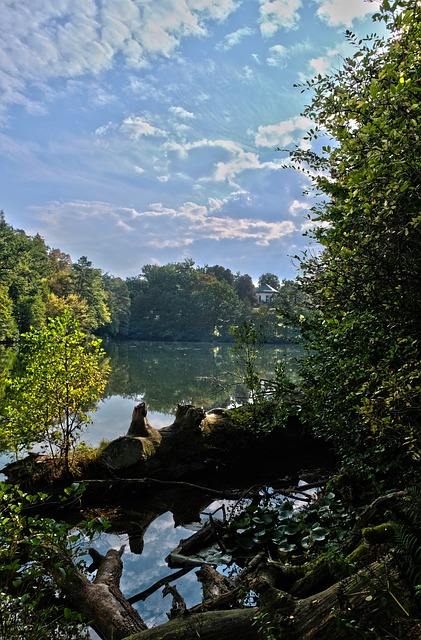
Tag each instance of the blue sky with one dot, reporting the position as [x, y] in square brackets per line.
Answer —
[144, 131]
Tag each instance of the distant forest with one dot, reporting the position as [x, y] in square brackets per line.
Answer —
[174, 302]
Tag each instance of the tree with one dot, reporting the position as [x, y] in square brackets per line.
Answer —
[35, 555]
[88, 285]
[221, 273]
[161, 304]
[244, 288]
[60, 278]
[216, 309]
[24, 270]
[61, 375]
[362, 374]
[118, 304]
[271, 279]
[8, 328]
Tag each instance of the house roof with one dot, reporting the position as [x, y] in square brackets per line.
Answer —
[266, 288]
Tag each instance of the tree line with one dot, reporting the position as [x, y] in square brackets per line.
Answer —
[177, 301]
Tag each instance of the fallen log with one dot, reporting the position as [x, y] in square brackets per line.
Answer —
[373, 598]
[212, 625]
[199, 445]
[100, 601]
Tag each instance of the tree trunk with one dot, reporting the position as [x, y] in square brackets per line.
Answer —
[101, 601]
[212, 625]
[197, 447]
[200, 445]
[373, 598]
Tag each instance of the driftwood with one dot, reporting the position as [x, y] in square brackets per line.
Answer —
[198, 447]
[203, 444]
[293, 602]
[370, 597]
[140, 443]
[101, 601]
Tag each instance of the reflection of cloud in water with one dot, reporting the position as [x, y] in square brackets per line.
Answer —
[141, 571]
[113, 416]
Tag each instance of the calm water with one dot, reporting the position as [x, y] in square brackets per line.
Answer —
[163, 375]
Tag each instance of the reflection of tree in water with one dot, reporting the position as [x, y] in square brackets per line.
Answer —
[166, 374]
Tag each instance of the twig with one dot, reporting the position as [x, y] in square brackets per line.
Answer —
[157, 585]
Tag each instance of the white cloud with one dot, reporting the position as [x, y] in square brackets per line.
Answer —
[278, 14]
[215, 9]
[184, 148]
[325, 63]
[234, 38]
[182, 113]
[343, 12]
[244, 161]
[215, 204]
[278, 56]
[283, 133]
[128, 235]
[136, 127]
[70, 38]
[320, 65]
[247, 73]
[298, 207]
[225, 171]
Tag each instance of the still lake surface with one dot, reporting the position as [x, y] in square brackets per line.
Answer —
[164, 375]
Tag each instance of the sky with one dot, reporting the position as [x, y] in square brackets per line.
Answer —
[141, 132]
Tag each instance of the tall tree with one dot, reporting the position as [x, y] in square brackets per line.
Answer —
[363, 373]
[24, 269]
[60, 278]
[221, 273]
[271, 279]
[161, 307]
[118, 304]
[88, 285]
[217, 308]
[244, 288]
[8, 328]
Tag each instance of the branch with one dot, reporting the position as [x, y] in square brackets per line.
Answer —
[157, 585]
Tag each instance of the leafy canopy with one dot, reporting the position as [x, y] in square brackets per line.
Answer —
[362, 373]
[61, 375]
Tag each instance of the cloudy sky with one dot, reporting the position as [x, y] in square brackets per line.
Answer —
[144, 131]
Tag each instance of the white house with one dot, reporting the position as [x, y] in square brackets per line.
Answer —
[265, 293]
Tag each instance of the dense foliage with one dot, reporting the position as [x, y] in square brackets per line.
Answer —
[35, 554]
[177, 301]
[362, 374]
[60, 376]
[37, 283]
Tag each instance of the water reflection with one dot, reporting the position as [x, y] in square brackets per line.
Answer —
[163, 375]
[166, 374]
[143, 567]
[141, 571]
[186, 373]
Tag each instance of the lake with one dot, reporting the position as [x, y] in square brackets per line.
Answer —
[166, 374]
[163, 375]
